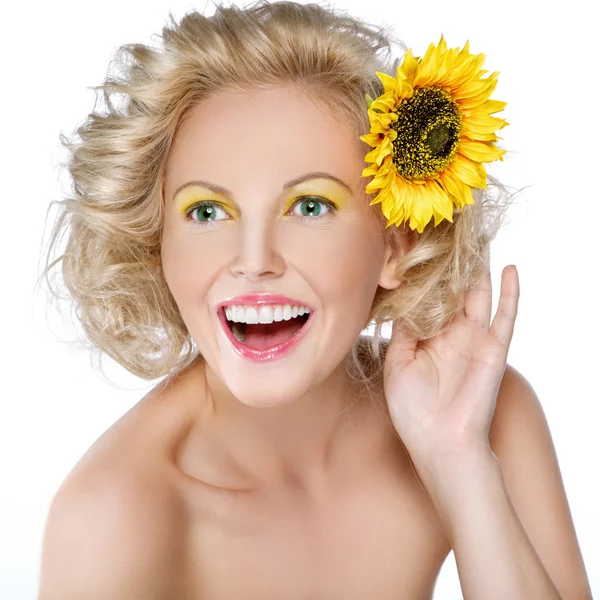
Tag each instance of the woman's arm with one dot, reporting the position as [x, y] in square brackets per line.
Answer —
[526, 549]
[494, 556]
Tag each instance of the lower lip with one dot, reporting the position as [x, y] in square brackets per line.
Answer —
[264, 354]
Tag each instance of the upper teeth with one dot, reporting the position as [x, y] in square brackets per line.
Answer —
[264, 314]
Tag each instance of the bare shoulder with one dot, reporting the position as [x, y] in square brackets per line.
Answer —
[114, 525]
[147, 429]
[109, 534]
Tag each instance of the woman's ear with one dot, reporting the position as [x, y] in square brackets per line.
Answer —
[398, 242]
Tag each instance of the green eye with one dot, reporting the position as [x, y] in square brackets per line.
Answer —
[205, 212]
[312, 206]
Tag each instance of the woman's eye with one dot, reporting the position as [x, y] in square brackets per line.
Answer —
[308, 208]
[312, 207]
[207, 211]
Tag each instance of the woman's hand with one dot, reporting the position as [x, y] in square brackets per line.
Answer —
[442, 393]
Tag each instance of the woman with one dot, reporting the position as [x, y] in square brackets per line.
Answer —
[223, 234]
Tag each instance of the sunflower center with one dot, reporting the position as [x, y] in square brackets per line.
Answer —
[429, 126]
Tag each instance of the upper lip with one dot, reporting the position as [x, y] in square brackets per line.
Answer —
[260, 299]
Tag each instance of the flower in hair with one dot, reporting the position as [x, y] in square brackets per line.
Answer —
[431, 130]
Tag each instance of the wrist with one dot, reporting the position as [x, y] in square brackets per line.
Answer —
[450, 465]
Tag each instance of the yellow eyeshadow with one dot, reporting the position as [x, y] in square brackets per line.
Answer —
[325, 188]
[190, 196]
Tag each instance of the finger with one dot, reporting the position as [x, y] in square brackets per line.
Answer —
[403, 345]
[504, 321]
[478, 301]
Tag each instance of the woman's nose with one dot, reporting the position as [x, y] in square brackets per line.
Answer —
[258, 257]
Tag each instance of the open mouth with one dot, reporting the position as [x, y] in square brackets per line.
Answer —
[265, 335]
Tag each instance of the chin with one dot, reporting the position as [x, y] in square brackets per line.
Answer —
[269, 390]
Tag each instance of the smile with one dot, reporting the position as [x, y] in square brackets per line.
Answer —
[264, 332]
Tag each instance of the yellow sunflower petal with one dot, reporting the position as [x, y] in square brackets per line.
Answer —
[483, 123]
[382, 119]
[380, 152]
[427, 67]
[474, 88]
[382, 179]
[441, 202]
[466, 70]
[468, 171]
[386, 103]
[409, 64]
[492, 106]
[480, 151]
[466, 49]
[401, 200]
[474, 102]
[379, 198]
[423, 211]
[389, 83]
[378, 171]
[481, 137]
[461, 192]
[371, 138]
[442, 46]
[387, 207]
[390, 206]
[370, 170]
[446, 69]
[378, 127]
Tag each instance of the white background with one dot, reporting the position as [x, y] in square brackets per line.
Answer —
[54, 405]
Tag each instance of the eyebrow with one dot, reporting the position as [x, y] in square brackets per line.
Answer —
[293, 182]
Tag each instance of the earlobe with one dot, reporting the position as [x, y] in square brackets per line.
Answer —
[395, 248]
[387, 279]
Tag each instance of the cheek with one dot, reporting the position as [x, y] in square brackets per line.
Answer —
[344, 265]
[190, 263]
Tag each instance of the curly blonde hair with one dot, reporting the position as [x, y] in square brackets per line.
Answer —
[111, 264]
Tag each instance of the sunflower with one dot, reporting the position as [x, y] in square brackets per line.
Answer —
[431, 130]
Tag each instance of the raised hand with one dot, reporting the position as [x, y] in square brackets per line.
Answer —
[442, 392]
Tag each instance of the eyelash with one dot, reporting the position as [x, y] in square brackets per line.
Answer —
[330, 205]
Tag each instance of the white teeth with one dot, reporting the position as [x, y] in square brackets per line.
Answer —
[264, 314]
[251, 315]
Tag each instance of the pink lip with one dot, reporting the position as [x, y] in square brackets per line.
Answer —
[265, 354]
[260, 299]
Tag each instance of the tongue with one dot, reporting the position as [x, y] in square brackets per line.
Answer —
[262, 335]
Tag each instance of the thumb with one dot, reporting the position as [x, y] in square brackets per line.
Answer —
[403, 345]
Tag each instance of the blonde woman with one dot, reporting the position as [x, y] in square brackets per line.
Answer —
[225, 235]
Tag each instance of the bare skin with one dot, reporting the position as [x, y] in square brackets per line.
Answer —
[238, 479]
[246, 480]
[371, 531]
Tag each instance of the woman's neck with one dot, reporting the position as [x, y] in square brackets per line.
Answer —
[301, 443]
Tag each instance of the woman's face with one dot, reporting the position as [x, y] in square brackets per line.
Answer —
[268, 223]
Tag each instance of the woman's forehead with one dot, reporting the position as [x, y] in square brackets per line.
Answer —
[277, 131]
[274, 118]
